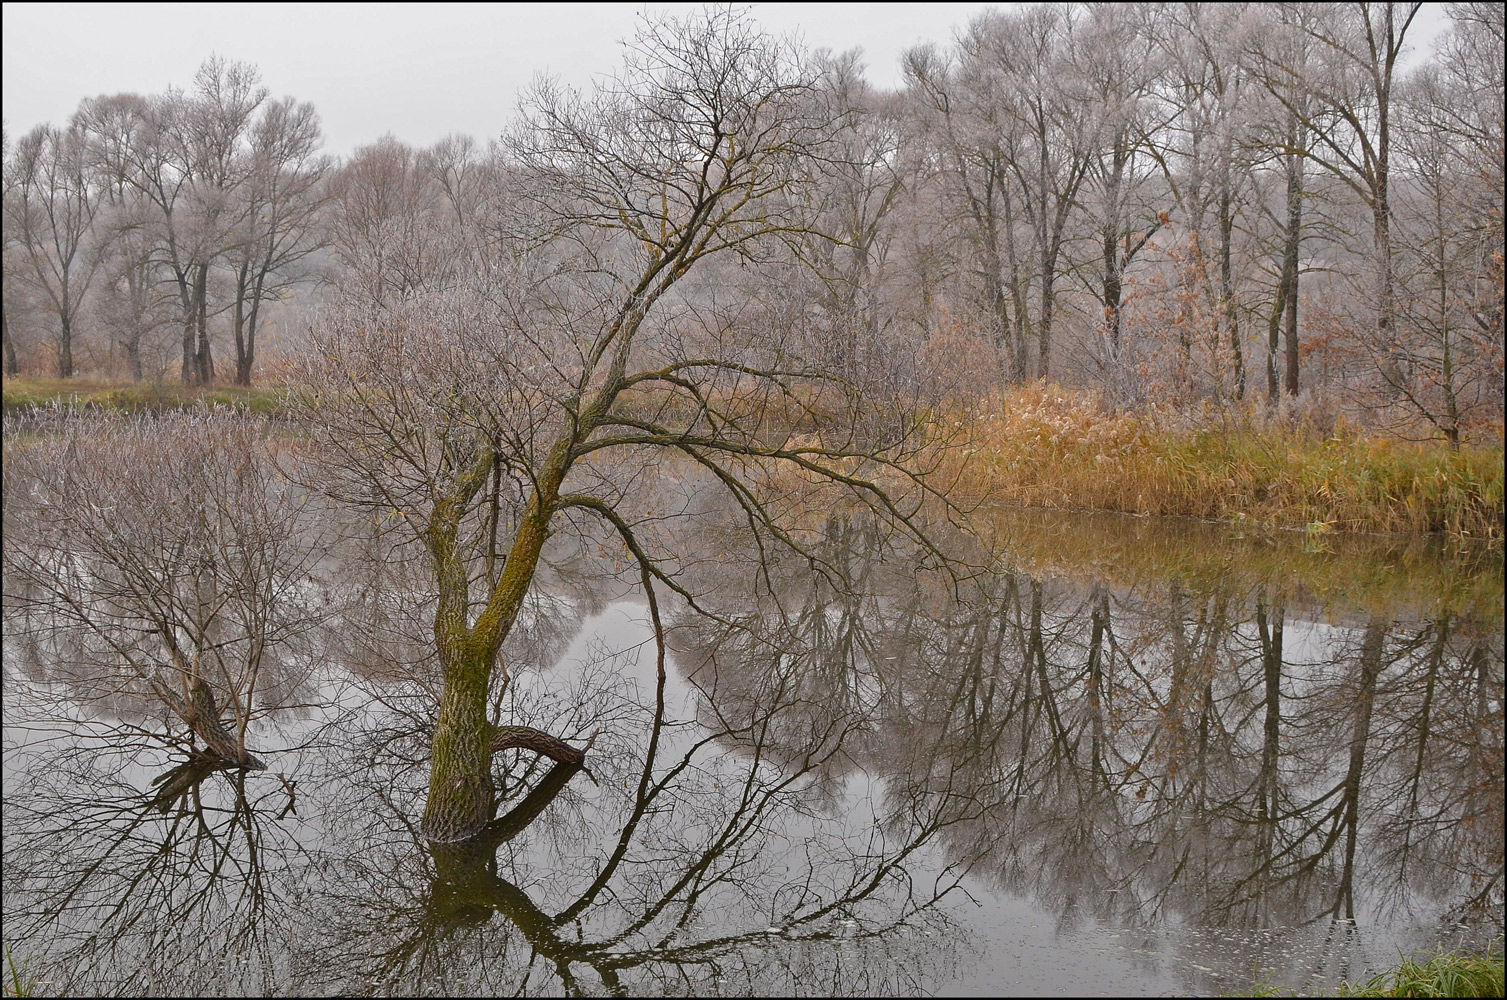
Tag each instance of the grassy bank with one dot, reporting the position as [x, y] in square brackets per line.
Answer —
[1043, 446]
[21, 394]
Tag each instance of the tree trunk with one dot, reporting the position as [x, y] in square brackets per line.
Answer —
[204, 364]
[243, 365]
[1269, 626]
[1017, 291]
[12, 366]
[1386, 327]
[999, 308]
[461, 796]
[1048, 303]
[1112, 287]
[190, 316]
[460, 778]
[1273, 343]
[65, 347]
[1290, 248]
[1227, 280]
[133, 357]
[238, 325]
[197, 708]
[466, 887]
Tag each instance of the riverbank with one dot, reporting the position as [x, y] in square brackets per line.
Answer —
[1048, 447]
[1043, 446]
[84, 395]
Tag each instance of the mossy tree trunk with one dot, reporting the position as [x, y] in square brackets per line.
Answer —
[460, 781]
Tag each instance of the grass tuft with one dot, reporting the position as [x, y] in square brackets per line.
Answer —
[1447, 974]
[19, 979]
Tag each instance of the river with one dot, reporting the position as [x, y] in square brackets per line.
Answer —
[1114, 756]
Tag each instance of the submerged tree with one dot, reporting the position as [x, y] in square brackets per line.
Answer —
[160, 563]
[478, 421]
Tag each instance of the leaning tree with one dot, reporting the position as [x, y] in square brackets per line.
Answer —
[577, 357]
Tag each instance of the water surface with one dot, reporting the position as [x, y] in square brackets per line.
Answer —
[1130, 758]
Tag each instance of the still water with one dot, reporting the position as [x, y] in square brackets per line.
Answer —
[1126, 758]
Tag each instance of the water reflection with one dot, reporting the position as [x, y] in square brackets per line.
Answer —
[802, 800]
[142, 884]
[1152, 752]
[669, 866]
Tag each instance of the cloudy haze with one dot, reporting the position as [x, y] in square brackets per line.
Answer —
[418, 72]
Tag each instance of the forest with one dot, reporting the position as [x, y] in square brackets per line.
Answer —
[1172, 205]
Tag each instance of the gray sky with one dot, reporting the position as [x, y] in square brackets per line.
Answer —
[416, 71]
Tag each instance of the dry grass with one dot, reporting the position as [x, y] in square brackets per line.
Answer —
[1044, 446]
[76, 394]
[1040, 445]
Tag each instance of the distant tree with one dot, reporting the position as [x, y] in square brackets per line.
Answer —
[458, 167]
[1343, 101]
[389, 225]
[50, 206]
[211, 133]
[1117, 64]
[11, 256]
[277, 217]
[131, 302]
[1012, 123]
[858, 190]
[973, 142]
[1286, 36]
[185, 156]
[1448, 223]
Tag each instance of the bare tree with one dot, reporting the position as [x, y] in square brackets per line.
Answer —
[458, 167]
[277, 225]
[479, 425]
[49, 207]
[961, 119]
[1014, 128]
[185, 156]
[863, 183]
[1116, 57]
[389, 226]
[131, 302]
[210, 135]
[12, 260]
[1448, 222]
[1343, 100]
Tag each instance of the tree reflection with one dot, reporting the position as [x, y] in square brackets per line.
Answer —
[697, 871]
[1146, 750]
[674, 866]
[143, 889]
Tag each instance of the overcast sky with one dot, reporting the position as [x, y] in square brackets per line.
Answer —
[418, 72]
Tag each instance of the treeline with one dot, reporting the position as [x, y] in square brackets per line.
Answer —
[1173, 204]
